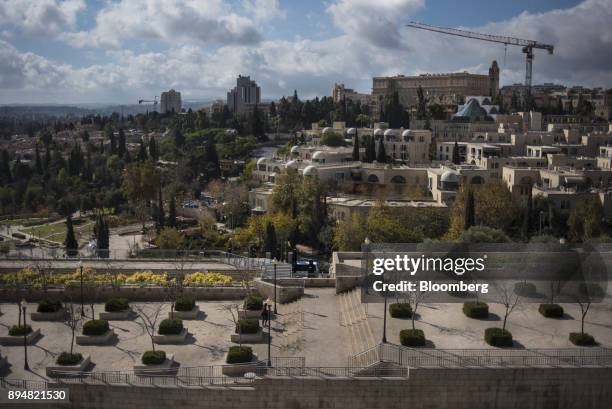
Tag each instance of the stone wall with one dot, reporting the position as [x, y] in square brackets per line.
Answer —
[284, 292]
[543, 388]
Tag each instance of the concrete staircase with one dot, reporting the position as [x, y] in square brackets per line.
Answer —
[353, 318]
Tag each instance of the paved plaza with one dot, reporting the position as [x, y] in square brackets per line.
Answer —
[323, 327]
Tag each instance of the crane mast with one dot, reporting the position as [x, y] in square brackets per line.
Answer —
[527, 48]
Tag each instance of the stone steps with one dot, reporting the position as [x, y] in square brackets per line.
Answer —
[354, 319]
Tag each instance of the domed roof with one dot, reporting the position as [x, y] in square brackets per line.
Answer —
[294, 149]
[389, 132]
[379, 132]
[318, 155]
[261, 161]
[291, 164]
[449, 176]
[406, 133]
[351, 131]
[310, 171]
[326, 130]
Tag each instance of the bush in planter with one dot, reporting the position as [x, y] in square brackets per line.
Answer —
[248, 326]
[551, 310]
[116, 305]
[253, 303]
[49, 306]
[19, 330]
[95, 327]
[184, 304]
[476, 309]
[581, 339]
[66, 358]
[170, 326]
[239, 355]
[498, 337]
[412, 337]
[400, 310]
[154, 357]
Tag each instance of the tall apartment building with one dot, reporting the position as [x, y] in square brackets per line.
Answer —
[170, 102]
[340, 92]
[444, 89]
[245, 93]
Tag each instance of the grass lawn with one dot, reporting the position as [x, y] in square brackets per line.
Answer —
[57, 231]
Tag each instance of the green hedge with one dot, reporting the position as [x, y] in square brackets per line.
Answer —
[153, 357]
[580, 339]
[95, 327]
[184, 304]
[66, 358]
[19, 330]
[239, 355]
[49, 306]
[400, 310]
[116, 305]
[551, 310]
[248, 325]
[253, 302]
[477, 310]
[498, 337]
[412, 337]
[170, 326]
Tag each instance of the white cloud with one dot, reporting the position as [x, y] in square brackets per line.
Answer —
[40, 17]
[174, 21]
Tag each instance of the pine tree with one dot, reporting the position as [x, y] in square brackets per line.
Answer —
[270, 240]
[211, 158]
[469, 210]
[72, 246]
[38, 162]
[153, 153]
[101, 234]
[356, 147]
[456, 159]
[179, 139]
[121, 143]
[161, 217]
[381, 156]
[172, 213]
[257, 126]
[142, 152]
[5, 168]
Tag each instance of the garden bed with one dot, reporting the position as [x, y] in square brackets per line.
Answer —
[243, 313]
[58, 315]
[248, 338]
[76, 368]
[154, 369]
[237, 363]
[18, 339]
[185, 315]
[103, 339]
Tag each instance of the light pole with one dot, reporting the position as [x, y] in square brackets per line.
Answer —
[275, 310]
[269, 312]
[26, 366]
[81, 273]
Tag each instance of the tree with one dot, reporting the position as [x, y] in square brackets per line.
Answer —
[172, 213]
[73, 318]
[332, 139]
[179, 139]
[121, 147]
[286, 193]
[140, 184]
[72, 246]
[381, 156]
[421, 104]
[356, 155]
[38, 163]
[257, 125]
[153, 151]
[270, 244]
[469, 211]
[584, 221]
[456, 159]
[161, 217]
[507, 298]
[483, 234]
[211, 158]
[101, 234]
[149, 315]
[169, 238]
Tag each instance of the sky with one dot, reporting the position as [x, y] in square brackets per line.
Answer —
[119, 51]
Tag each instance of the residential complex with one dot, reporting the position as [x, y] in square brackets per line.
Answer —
[244, 95]
[170, 101]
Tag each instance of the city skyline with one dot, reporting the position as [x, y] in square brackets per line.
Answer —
[71, 52]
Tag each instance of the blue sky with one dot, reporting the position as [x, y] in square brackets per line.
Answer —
[116, 51]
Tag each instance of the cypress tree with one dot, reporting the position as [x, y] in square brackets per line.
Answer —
[381, 156]
[469, 210]
[172, 213]
[102, 235]
[142, 152]
[121, 143]
[72, 246]
[456, 159]
[38, 162]
[356, 147]
[161, 217]
[270, 240]
[527, 216]
[153, 153]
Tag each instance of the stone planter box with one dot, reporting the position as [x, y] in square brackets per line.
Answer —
[171, 339]
[238, 370]
[3, 362]
[103, 339]
[18, 340]
[161, 369]
[185, 315]
[49, 316]
[249, 338]
[242, 313]
[80, 367]
[117, 316]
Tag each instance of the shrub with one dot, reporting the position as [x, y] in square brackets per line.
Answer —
[184, 304]
[238, 355]
[170, 326]
[253, 302]
[198, 279]
[551, 310]
[19, 330]
[49, 306]
[66, 358]
[525, 289]
[153, 357]
[580, 339]
[483, 234]
[412, 337]
[248, 326]
[498, 337]
[116, 305]
[95, 327]
[476, 309]
[400, 310]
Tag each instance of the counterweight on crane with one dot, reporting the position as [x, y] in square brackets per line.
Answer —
[527, 45]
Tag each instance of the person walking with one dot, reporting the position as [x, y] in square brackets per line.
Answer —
[264, 315]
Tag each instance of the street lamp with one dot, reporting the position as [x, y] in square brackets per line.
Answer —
[25, 336]
[82, 304]
[275, 310]
[269, 312]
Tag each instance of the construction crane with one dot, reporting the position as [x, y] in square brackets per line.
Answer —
[528, 46]
[154, 102]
